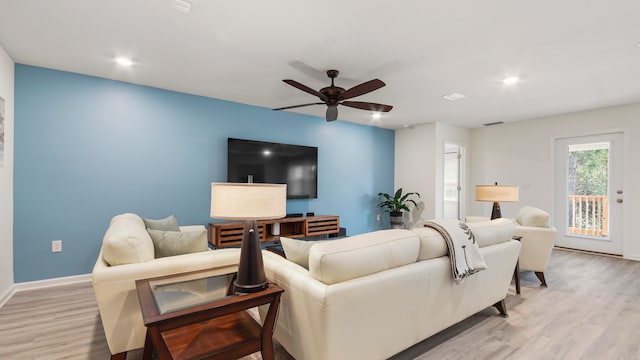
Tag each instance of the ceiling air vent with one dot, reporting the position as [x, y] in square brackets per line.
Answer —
[454, 96]
[180, 5]
[494, 123]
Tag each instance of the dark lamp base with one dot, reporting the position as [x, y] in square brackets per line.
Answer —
[244, 289]
[496, 213]
[251, 276]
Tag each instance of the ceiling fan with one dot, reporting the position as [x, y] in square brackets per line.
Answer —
[333, 96]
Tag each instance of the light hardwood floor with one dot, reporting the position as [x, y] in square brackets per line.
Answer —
[591, 310]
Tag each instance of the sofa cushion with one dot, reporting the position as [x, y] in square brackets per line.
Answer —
[127, 241]
[171, 243]
[167, 224]
[491, 232]
[297, 251]
[531, 216]
[361, 255]
[432, 244]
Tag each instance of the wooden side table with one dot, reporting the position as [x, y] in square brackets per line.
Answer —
[195, 316]
[516, 272]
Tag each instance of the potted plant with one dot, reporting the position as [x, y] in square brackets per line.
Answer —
[396, 204]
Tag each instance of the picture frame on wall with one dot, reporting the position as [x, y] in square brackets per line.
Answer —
[1, 131]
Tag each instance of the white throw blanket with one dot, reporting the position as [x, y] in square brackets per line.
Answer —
[463, 251]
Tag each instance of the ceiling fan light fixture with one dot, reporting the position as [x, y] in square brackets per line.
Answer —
[376, 116]
[332, 112]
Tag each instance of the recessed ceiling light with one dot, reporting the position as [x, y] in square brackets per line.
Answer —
[454, 96]
[124, 61]
[510, 80]
[376, 116]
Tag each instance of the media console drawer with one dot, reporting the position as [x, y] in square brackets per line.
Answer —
[223, 234]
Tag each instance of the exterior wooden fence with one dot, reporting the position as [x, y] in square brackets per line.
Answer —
[589, 215]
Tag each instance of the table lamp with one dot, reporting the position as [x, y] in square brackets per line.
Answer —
[496, 193]
[249, 202]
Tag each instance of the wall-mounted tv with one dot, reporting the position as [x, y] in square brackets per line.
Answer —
[267, 162]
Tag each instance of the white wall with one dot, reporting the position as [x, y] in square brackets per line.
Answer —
[415, 167]
[521, 153]
[419, 165]
[6, 179]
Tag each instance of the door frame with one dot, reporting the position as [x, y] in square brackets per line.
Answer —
[626, 180]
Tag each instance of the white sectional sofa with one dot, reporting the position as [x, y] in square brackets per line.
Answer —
[127, 254]
[373, 295]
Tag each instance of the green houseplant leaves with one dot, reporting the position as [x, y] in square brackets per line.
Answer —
[397, 203]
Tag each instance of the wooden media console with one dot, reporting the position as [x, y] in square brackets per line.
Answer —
[223, 234]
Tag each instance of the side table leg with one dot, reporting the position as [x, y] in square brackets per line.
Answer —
[516, 275]
[267, 330]
[148, 347]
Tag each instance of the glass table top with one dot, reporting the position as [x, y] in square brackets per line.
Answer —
[189, 290]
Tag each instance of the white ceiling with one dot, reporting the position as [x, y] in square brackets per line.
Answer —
[571, 55]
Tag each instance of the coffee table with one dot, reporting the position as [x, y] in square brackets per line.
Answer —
[196, 315]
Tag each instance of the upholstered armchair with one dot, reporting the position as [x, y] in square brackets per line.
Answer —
[538, 238]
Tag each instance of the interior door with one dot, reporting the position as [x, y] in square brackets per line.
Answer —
[451, 181]
[590, 192]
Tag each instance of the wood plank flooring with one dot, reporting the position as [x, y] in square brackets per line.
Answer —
[591, 310]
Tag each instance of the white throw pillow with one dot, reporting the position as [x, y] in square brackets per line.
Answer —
[531, 216]
[171, 243]
[127, 241]
[361, 255]
[432, 244]
[491, 232]
[297, 251]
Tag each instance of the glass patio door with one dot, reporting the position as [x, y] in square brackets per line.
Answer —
[590, 193]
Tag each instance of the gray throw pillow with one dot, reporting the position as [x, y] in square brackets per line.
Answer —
[171, 243]
[167, 224]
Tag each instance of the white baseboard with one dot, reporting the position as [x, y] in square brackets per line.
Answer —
[635, 257]
[30, 285]
[7, 295]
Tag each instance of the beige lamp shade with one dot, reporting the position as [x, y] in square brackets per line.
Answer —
[248, 201]
[497, 193]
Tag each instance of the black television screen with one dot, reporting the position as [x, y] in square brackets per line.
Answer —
[274, 163]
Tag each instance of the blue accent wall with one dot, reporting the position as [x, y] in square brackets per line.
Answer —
[88, 148]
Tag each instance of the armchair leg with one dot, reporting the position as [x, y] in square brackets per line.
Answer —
[540, 276]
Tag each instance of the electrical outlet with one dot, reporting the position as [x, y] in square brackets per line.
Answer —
[378, 217]
[56, 246]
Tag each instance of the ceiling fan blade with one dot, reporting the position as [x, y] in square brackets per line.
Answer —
[362, 89]
[332, 112]
[367, 106]
[297, 106]
[306, 89]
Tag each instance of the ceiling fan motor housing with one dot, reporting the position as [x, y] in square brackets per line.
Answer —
[332, 93]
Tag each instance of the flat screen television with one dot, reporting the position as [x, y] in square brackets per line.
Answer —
[274, 163]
